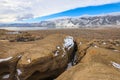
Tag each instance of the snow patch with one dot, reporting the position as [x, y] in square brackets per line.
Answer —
[116, 50]
[68, 42]
[6, 59]
[116, 65]
[95, 46]
[58, 47]
[6, 76]
[29, 60]
[19, 72]
[19, 56]
[69, 65]
[80, 43]
[104, 43]
[64, 52]
[75, 59]
[56, 53]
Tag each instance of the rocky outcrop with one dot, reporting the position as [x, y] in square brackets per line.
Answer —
[9, 56]
[38, 60]
[48, 58]
[97, 60]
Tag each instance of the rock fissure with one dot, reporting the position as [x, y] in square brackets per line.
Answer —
[55, 65]
[44, 60]
[81, 54]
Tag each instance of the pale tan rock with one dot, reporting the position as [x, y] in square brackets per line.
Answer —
[47, 59]
[97, 64]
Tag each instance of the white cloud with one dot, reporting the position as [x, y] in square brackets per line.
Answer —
[13, 10]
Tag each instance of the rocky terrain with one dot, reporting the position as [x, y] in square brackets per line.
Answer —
[96, 60]
[26, 61]
[73, 22]
[72, 54]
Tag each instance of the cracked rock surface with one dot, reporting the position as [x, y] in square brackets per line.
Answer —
[60, 57]
[96, 60]
[39, 60]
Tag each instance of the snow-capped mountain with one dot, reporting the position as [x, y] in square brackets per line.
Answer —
[73, 22]
[87, 21]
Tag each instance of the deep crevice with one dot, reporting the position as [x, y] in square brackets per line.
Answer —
[72, 59]
[74, 54]
[82, 53]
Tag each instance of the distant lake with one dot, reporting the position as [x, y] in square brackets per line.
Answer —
[23, 28]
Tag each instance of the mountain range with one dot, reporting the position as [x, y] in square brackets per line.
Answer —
[73, 22]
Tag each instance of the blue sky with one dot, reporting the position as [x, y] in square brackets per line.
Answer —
[37, 10]
[90, 10]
